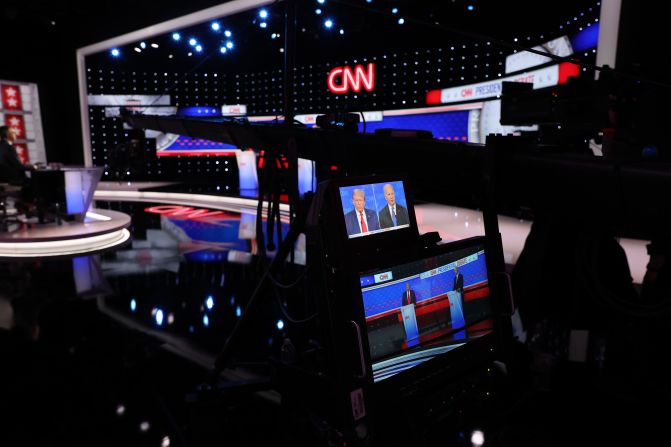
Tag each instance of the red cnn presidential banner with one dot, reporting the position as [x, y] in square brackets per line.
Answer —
[11, 97]
[17, 123]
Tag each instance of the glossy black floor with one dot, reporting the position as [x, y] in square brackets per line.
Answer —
[117, 348]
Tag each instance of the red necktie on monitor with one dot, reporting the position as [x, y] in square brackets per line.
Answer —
[408, 297]
[364, 228]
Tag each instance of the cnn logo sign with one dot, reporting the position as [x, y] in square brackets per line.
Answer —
[345, 79]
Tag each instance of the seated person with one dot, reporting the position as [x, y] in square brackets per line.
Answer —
[12, 171]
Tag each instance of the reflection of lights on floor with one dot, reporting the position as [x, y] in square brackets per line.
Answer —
[477, 438]
[234, 204]
[158, 317]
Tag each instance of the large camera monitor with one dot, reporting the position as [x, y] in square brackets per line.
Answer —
[421, 309]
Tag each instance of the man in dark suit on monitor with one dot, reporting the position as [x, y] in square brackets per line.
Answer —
[393, 214]
[458, 285]
[456, 299]
[408, 296]
[408, 302]
[360, 219]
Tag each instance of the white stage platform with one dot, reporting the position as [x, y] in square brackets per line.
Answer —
[100, 230]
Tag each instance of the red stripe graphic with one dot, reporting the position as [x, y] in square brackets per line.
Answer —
[433, 97]
[189, 153]
[438, 302]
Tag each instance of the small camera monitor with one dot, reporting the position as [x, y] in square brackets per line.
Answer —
[418, 310]
[373, 212]
[374, 208]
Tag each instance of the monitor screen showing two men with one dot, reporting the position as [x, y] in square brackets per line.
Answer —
[374, 208]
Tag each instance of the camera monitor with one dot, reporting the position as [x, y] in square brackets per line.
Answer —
[421, 309]
[374, 208]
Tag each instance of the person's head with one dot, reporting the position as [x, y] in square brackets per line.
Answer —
[407, 286]
[7, 133]
[456, 270]
[359, 199]
[389, 194]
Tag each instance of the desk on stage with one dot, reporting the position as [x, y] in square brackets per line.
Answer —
[67, 192]
[68, 189]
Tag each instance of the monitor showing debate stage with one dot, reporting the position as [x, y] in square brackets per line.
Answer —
[422, 309]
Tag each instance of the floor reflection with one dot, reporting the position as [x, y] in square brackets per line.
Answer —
[103, 349]
[189, 272]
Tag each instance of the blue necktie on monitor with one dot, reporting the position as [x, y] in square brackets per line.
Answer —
[393, 214]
